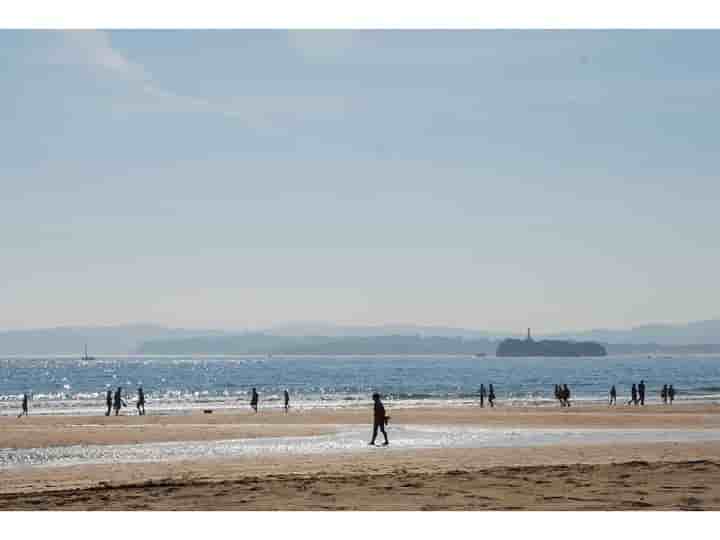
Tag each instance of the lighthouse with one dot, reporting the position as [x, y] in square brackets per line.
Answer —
[528, 336]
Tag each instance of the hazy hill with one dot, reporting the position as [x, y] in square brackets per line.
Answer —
[99, 339]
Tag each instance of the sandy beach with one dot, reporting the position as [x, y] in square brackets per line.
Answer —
[656, 475]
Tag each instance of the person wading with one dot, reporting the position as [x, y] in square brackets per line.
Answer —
[379, 419]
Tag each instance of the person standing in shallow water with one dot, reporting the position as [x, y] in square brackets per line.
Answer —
[641, 392]
[491, 395]
[613, 396]
[141, 402]
[483, 393]
[379, 419]
[254, 400]
[108, 401]
[287, 401]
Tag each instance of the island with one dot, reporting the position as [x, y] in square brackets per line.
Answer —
[549, 347]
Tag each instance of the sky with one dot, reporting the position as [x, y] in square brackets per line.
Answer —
[241, 179]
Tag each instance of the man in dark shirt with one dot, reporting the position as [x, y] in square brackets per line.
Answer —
[379, 419]
[641, 392]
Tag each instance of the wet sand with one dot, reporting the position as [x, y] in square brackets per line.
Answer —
[60, 430]
[621, 476]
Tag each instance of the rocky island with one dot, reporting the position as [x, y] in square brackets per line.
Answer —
[549, 347]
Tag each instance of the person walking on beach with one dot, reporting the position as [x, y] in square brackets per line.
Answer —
[118, 401]
[141, 402]
[286, 395]
[380, 419]
[633, 395]
[483, 393]
[641, 392]
[108, 401]
[491, 395]
[24, 406]
[664, 394]
[557, 394]
[613, 396]
[671, 394]
[566, 395]
[254, 400]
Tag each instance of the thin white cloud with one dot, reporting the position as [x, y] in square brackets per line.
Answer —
[93, 48]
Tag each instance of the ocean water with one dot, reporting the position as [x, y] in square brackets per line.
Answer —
[177, 384]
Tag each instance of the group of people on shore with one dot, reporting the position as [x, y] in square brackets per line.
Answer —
[637, 394]
[562, 394]
[489, 394]
[116, 402]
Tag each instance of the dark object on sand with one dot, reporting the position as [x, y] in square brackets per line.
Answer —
[207, 411]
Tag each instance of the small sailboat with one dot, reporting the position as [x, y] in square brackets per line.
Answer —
[85, 356]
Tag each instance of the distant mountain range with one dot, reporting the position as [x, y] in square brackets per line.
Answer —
[322, 338]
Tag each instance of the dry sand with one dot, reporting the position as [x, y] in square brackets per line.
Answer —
[624, 476]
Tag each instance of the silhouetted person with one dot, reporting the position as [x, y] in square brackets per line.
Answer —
[633, 395]
[566, 395]
[641, 392]
[613, 396]
[671, 394]
[379, 419]
[24, 406]
[254, 400]
[118, 401]
[108, 401]
[664, 393]
[141, 402]
[491, 395]
[483, 393]
[286, 395]
[558, 395]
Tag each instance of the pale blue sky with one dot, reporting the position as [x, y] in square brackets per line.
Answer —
[238, 179]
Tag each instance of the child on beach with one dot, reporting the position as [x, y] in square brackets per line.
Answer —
[380, 419]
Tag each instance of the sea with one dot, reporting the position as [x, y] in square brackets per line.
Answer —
[180, 384]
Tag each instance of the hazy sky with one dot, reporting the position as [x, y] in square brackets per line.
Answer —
[238, 179]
